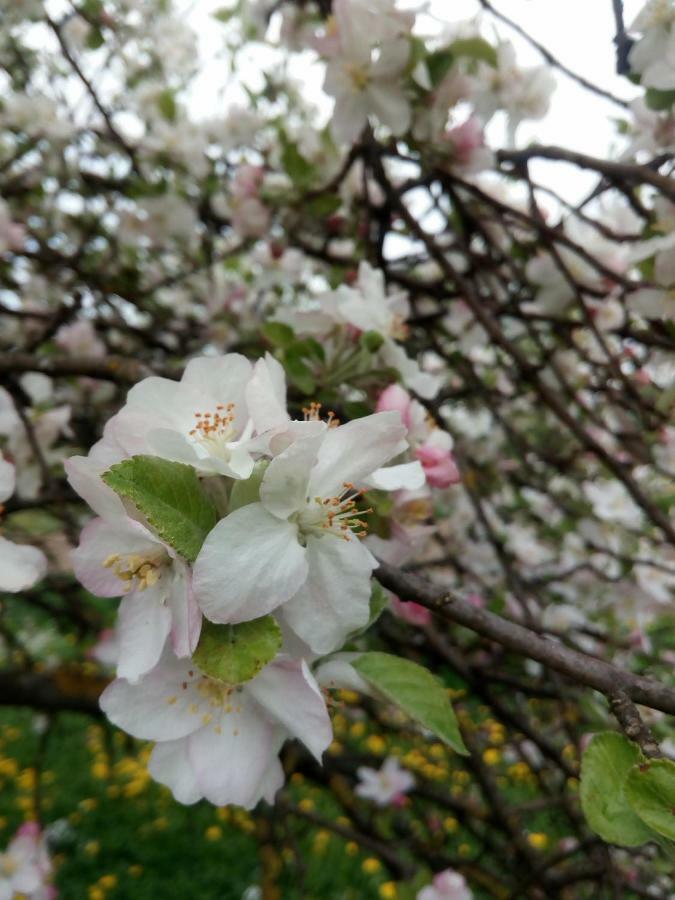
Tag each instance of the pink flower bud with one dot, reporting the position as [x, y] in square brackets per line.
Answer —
[397, 399]
[439, 466]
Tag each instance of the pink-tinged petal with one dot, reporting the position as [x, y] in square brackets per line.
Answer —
[272, 781]
[186, 615]
[266, 395]
[231, 756]
[335, 599]
[284, 488]
[250, 564]
[21, 566]
[170, 765]
[352, 452]
[143, 626]
[7, 479]
[405, 477]
[439, 466]
[411, 612]
[287, 691]
[98, 542]
[84, 475]
[158, 707]
[396, 399]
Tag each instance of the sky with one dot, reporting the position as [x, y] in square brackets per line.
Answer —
[578, 32]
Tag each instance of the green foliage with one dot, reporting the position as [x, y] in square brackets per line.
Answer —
[170, 497]
[415, 691]
[604, 768]
[247, 490]
[236, 653]
[659, 100]
[650, 790]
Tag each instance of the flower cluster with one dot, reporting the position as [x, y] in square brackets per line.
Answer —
[291, 497]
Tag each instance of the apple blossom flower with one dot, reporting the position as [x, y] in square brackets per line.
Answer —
[430, 445]
[297, 550]
[447, 885]
[612, 503]
[385, 786]
[20, 565]
[220, 741]
[208, 419]
[120, 557]
[365, 72]
[25, 867]
[652, 56]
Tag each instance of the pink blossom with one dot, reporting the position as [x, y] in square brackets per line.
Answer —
[411, 612]
[25, 867]
[447, 885]
[386, 786]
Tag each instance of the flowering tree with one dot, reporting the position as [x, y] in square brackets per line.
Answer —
[368, 429]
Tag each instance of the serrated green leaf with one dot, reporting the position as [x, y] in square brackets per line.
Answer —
[438, 65]
[650, 791]
[170, 497]
[236, 653]
[604, 769]
[415, 691]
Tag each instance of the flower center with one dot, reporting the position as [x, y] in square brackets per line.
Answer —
[358, 75]
[312, 413]
[8, 866]
[137, 572]
[337, 515]
[398, 329]
[215, 431]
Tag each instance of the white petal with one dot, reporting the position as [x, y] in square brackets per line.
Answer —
[7, 479]
[157, 708]
[231, 764]
[186, 616]
[284, 488]
[84, 475]
[143, 626]
[338, 673]
[352, 452]
[250, 563]
[266, 395]
[408, 476]
[170, 765]
[20, 566]
[287, 690]
[335, 599]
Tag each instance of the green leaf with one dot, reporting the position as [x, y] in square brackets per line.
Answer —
[170, 497]
[604, 768]
[650, 791]
[278, 333]
[438, 64]
[659, 100]
[371, 341]
[323, 206]
[236, 653]
[167, 105]
[299, 373]
[247, 490]
[417, 692]
[297, 168]
[476, 48]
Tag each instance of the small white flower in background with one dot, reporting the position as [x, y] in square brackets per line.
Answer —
[522, 92]
[365, 70]
[219, 741]
[25, 867]
[612, 503]
[20, 565]
[447, 885]
[385, 786]
[653, 55]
